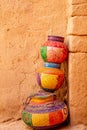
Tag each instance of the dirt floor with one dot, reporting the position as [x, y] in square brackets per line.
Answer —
[19, 125]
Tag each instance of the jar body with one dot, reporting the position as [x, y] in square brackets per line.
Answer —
[54, 50]
[50, 79]
[44, 115]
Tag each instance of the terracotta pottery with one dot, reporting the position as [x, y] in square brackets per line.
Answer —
[43, 110]
[54, 50]
[50, 79]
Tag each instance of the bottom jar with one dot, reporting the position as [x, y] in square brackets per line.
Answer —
[46, 114]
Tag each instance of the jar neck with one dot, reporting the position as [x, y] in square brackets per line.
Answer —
[51, 65]
[56, 38]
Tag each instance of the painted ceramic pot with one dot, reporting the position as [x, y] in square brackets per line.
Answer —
[50, 79]
[44, 111]
[54, 50]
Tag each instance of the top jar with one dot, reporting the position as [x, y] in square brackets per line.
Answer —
[54, 50]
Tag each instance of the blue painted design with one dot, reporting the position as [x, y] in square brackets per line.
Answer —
[51, 65]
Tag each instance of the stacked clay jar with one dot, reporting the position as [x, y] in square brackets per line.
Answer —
[43, 109]
[53, 52]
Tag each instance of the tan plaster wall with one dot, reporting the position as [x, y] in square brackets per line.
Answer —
[77, 76]
[24, 26]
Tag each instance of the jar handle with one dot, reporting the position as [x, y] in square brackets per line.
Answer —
[28, 99]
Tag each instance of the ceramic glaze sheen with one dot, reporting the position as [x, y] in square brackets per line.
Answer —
[54, 50]
[45, 114]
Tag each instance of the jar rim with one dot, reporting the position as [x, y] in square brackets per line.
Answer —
[51, 65]
[42, 94]
[55, 38]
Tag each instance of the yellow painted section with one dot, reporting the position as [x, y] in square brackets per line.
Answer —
[41, 100]
[40, 119]
[49, 81]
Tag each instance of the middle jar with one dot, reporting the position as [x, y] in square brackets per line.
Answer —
[50, 79]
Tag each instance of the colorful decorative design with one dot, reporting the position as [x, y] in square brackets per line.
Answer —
[43, 109]
[27, 118]
[54, 51]
[42, 97]
[45, 114]
[50, 79]
[56, 117]
[40, 119]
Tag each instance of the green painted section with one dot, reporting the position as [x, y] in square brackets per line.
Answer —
[44, 52]
[27, 118]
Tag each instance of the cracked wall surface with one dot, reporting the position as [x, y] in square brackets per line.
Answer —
[77, 75]
[24, 26]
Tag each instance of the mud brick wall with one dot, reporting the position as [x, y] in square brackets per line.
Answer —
[24, 26]
[77, 38]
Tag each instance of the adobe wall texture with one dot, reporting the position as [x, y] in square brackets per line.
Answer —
[24, 26]
[77, 36]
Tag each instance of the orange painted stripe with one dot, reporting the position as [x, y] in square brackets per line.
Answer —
[53, 71]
